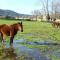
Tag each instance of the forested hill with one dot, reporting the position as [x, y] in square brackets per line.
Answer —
[11, 13]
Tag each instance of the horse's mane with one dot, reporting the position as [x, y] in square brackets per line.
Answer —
[9, 25]
[15, 24]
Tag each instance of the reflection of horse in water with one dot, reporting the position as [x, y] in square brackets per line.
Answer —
[8, 53]
[10, 30]
[56, 23]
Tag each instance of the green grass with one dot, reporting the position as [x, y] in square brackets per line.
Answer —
[37, 31]
[34, 31]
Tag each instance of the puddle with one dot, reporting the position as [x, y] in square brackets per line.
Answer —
[29, 34]
[22, 41]
[23, 53]
[20, 52]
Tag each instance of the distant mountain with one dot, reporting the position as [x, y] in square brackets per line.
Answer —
[11, 13]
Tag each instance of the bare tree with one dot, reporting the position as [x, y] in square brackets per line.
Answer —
[43, 3]
[36, 13]
[45, 8]
[55, 8]
[51, 8]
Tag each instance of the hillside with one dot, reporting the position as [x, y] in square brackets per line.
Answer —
[11, 13]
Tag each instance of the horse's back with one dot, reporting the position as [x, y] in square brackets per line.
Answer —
[56, 23]
[2, 25]
[5, 29]
[57, 20]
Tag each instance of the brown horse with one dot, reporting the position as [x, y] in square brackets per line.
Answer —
[56, 24]
[10, 30]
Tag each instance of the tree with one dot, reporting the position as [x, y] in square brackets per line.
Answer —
[36, 13]
[51, 8]
[45, 6]
[56, 8]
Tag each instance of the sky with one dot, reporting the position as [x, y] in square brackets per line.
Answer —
[21, 6]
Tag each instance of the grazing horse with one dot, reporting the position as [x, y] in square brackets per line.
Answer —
[10, 30]
[56, 23]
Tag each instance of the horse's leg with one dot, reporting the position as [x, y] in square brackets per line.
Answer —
[11, 40]
[2, 37]
[11, 37]
[53, 24]
[57, 25]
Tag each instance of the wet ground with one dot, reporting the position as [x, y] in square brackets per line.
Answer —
[24, 50]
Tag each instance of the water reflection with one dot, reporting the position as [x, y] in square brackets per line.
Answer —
[22, 41]
[18, 51]
[7, 53]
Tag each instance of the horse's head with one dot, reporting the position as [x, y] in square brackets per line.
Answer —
[20, 26]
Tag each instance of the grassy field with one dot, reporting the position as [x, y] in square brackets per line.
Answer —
[35, 31]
